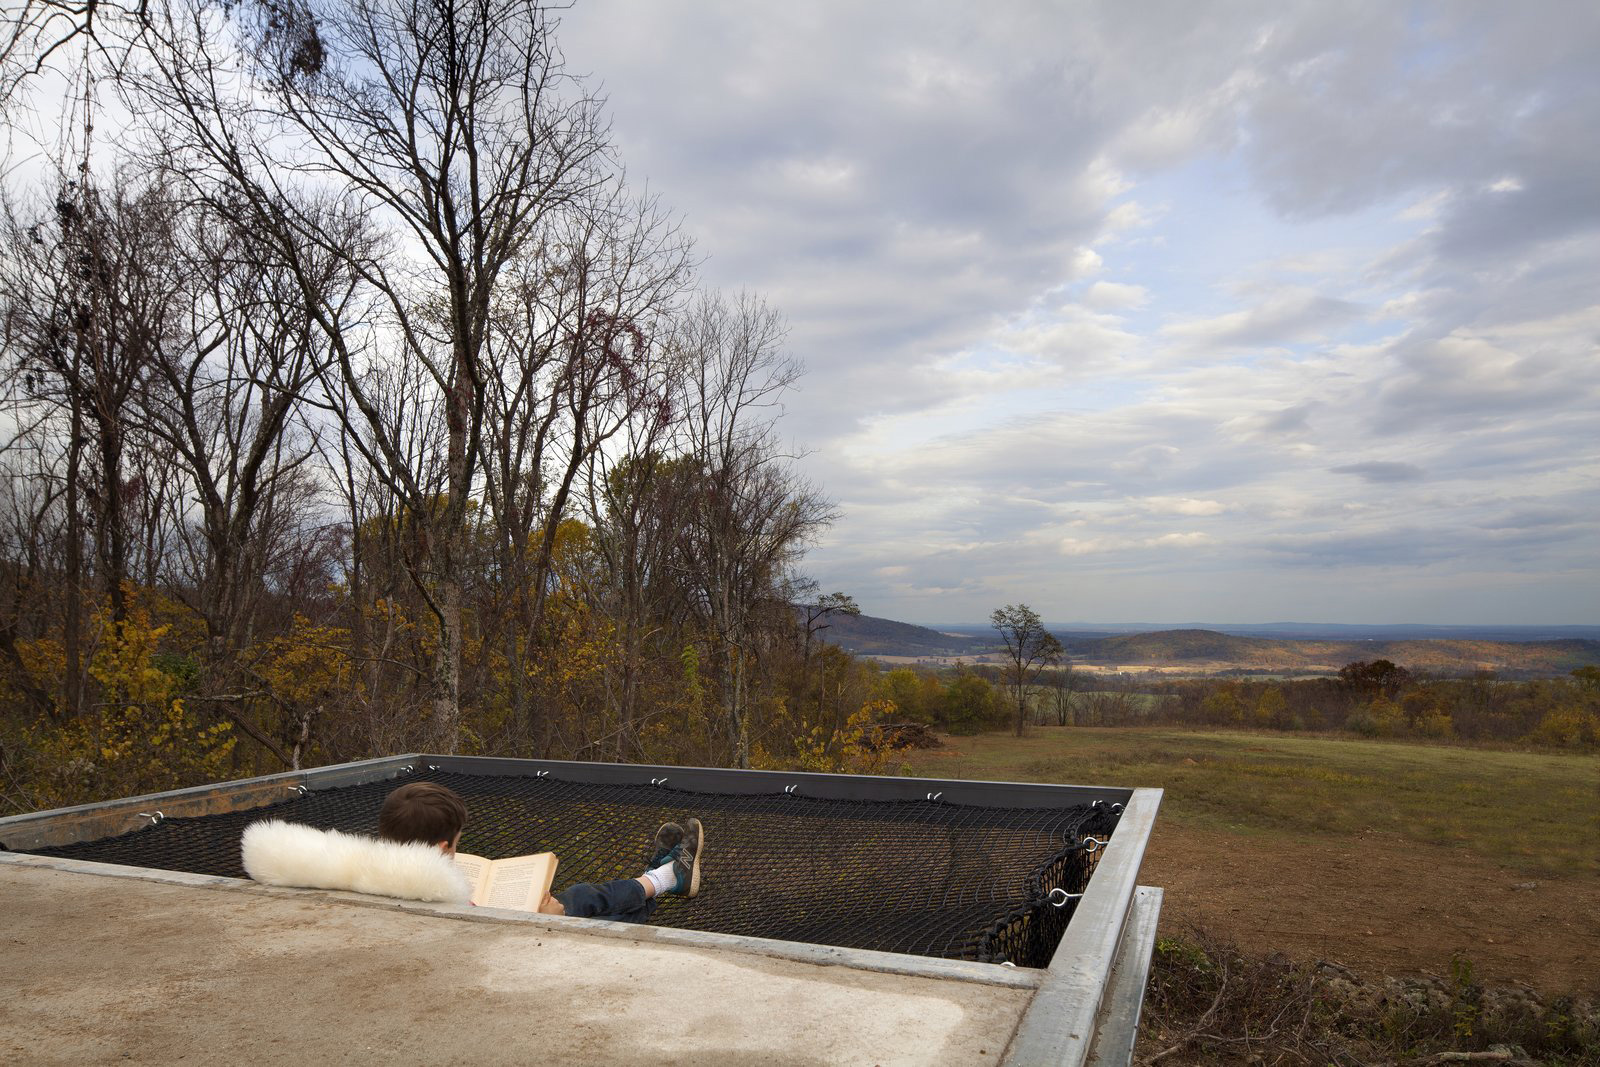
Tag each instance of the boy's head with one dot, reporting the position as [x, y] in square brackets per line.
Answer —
[423, 811]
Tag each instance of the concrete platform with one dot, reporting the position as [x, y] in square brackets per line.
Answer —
[189, 969]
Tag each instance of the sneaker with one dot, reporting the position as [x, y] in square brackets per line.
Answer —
[686, 862]
[666, 840]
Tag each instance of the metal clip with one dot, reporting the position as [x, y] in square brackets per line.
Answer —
[433, 766]
[1116, 809]
[658, 781]
[935, 796]
[300, 789]
[792, 789]
[540, 774]
[1007, 963]
[1058, 897]
[1091, 845]
[154, 818]
[408, 769]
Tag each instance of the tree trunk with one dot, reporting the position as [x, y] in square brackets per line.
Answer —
[448, 532]
[446, 682]
[74, 591]
[112, 524]
[741, 718]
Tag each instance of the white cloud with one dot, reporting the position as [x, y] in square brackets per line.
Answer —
[1130, 215]
[1165, 505]
[1278, 306]
[1070, 546]
[1283, 316]
[1427, 208]
[1084, 262]
[1180, 540]
[826, 174]
[1116, 295]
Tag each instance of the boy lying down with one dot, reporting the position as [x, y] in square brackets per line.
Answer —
[419, 827]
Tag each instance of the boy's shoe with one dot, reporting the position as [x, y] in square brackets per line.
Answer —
[667, 838]
[686, 863]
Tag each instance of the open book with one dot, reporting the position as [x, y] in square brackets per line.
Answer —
[517, 882]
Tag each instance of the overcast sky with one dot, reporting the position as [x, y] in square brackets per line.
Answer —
[1287, 312]
[1275, 311]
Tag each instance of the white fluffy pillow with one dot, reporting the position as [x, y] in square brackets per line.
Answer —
[281, 853]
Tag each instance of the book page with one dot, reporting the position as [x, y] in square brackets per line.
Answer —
[519, 883]
[476, 868]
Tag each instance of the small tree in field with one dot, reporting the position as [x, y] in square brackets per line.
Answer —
[1029, 647]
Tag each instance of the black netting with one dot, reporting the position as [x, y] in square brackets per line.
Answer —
[920, 877]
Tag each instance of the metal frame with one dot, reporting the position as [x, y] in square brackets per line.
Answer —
[1086, 1006]
[1060, 1023]
[1118, 1024]
[89, 822]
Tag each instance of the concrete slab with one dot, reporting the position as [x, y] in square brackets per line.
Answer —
[123, 970]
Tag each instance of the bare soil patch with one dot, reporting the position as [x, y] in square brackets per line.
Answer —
[1383, 856]
[1379, 904]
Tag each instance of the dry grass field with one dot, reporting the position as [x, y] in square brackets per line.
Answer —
[1385, 856]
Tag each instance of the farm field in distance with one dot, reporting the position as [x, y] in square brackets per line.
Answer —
[1385, 856]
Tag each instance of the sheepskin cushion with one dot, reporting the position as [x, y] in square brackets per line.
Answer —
[288, 854]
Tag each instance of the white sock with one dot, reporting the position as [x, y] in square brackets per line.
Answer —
[663, 878]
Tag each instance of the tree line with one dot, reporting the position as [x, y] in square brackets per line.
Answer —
[1370, 698]
[356, 403]
[1382, 699]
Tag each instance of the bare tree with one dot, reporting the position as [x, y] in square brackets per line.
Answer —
[41, 34]
[818, 608]
[815, 609]
[223, 398]
[748, 514]
[1063, 684]
[635, 510]
[443, 119]
[384, 554]
[32, 542]
[1029, 647]
[171, 356]
[580, 364]
[226, 399]
[87, 309]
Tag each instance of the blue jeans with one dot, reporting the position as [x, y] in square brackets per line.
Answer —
[622, 900]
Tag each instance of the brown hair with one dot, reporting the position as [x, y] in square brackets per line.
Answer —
[422, 811]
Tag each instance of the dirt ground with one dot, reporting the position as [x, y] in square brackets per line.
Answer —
[1378, 904]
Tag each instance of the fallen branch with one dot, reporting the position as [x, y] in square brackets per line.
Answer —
[1494, 1055]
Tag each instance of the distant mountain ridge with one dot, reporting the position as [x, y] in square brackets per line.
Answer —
[1179, 647]
[1312, 631]
[1206, 649]
[870, 636]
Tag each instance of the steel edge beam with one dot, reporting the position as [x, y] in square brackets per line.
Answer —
[89, 822]
[805, 783]
[1058, 1027]
[1118, 1025]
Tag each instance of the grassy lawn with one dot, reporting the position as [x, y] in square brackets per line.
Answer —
[1533, 812]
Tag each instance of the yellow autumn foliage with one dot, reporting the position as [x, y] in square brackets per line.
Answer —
[841, 750]
[138, 737]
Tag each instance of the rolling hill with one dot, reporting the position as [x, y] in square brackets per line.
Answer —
[869, 636]
[1170, 648]
[1210, 651]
